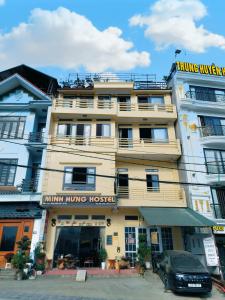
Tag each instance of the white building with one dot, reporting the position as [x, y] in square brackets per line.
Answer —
[199, 93]
[24, 103]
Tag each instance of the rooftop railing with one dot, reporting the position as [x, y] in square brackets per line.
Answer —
[87, 81]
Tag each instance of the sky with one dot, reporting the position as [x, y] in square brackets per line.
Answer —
[60, 37]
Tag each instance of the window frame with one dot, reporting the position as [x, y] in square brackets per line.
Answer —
[6, 182]
[205, 150]
[20, 120]
[78, 186]
[103, 124]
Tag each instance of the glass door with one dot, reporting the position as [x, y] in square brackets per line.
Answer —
[125, 137]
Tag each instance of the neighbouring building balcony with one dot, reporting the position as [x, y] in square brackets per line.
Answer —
[122, 146]
[213, 135]
[114, 108]
[166, 197]
[36, 137]
[203, 100]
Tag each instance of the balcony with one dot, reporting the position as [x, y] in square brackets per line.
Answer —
[213, 135]
[114, 108]
[203, 101]
[173, 196]
[36, 139]
[132, 147]
[149, 148]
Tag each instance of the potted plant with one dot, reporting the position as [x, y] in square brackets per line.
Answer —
[8, 258]
[21, 258]
[103, 256]
[124, 263]
[144, 254]
[39, 254]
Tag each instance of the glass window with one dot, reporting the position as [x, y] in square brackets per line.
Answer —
[12, 127]
[151, 99]
[98, 217]
[79, 179]
[152, 183]
[160, 134]
[167, 239]
[131, 218]
[8, 240]
[64, 217]
[7, 172]
[81, 217]
[103, 130]
[215, 161]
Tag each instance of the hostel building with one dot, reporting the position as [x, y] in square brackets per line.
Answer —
[24, 102]
[112, 150]
[199, 93]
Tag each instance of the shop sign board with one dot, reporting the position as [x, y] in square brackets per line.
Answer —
[201, 69]
[78, 200]
[210, 252]
[219, 229]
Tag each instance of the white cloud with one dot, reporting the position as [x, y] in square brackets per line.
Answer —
[174, 22]
[2, 2]
[66, 39]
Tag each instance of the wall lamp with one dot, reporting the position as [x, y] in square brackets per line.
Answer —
[53, 222]
[108, 222]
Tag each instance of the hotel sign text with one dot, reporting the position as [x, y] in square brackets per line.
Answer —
[202, 69]
[78, 200]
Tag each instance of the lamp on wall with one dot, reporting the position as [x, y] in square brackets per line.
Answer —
[108, 222]
[53, 222]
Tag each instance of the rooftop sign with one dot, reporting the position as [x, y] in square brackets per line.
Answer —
[201, 69]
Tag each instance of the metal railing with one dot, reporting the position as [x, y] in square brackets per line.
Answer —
[29, 185]
[36, 137]
[110, 104]
[87, 81]
[150, 194]
[205, 96]
[214, 130]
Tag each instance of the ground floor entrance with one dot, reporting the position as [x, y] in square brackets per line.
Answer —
[78, 246]
[11, 231]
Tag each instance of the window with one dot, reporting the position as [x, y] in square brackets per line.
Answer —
[167, 240]
[152, 183]
[81, 217]
[81, 179]
[109, 240]
[7, 172]
[150, 99]
[131, 218]
[79, 130]
[103, 130]
[98, 217]
[12, 127]
[212, 126]
[104, 102]
[151, 135]
[8, 240]
[215, 161]
[64, 217]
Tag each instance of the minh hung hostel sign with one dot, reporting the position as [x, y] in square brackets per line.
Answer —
[78, 200]
[201, 69]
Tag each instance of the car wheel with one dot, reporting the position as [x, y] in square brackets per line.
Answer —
[166, 282]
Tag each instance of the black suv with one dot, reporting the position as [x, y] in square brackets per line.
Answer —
[182, 271]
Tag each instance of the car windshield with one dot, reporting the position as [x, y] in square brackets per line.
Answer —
[185, 261]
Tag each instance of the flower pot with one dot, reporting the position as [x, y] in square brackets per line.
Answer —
[148, 265]
[103, 265]
[19, 275]
[39, 273]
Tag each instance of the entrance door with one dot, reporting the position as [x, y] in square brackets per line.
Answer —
[81, 243]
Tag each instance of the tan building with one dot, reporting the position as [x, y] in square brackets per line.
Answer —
[114, 141]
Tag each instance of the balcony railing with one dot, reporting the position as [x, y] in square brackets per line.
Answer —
[114, 144]
[112, 104]
[30, 185]
[219, 210]
[205, 96]
[214, 130]
[36, 137]
[151, 194]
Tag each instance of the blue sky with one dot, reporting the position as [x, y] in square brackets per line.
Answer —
[44, 41]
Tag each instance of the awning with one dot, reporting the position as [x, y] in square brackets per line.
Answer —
[163, 216]
[20, 210]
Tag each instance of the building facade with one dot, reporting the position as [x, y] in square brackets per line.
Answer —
[199, 93]
[24, 103]
[112, 150]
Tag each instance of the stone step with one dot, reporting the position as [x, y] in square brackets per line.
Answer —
[7, 274]
[81, 275]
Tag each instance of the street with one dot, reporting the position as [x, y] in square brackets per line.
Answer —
[66, 288]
